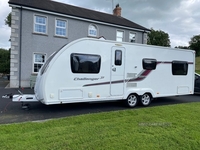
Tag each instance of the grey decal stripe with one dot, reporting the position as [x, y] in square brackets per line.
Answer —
[141, 76]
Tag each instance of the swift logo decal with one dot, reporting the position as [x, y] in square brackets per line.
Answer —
[85, 78]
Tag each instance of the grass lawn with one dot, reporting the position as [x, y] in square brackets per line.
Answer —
[163, 127]
[197, 65]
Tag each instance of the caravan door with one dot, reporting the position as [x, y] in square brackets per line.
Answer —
[117, 71]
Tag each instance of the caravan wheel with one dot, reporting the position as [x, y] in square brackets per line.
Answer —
[132, 100]
[146, 99]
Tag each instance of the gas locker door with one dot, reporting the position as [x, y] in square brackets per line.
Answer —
[117, 71]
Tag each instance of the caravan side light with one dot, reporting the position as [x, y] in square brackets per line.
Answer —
[118, 44]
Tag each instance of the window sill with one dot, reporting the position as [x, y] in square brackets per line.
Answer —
[57, 36]
[34, 73]
[40, 34]
[92, 36]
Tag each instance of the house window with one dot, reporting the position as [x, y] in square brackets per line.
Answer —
[132, 37]
[149, 64]
[179, 68]
[61, 27]
[92, 31]
[120, 36]
[40, 24]
[85, 63]
[38, 61]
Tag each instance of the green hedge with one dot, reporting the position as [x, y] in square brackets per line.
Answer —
[4, 61]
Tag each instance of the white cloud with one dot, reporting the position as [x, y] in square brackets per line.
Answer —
[4, 29]
[4, 37]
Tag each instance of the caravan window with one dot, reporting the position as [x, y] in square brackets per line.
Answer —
[149, 64]
[118, 57]
[179, 68]
[85, 63]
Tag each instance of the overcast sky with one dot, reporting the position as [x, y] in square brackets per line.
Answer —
[179, 18]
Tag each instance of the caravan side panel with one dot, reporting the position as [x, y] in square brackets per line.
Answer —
[159, 81]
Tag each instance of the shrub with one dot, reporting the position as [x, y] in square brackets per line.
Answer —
[4, 61]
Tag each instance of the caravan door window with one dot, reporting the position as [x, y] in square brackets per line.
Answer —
[179, 68]
[118, 57]
[85, 63]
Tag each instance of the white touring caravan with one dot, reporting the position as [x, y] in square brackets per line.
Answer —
[88, 70]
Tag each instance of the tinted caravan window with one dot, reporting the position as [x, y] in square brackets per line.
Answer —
[179, 68]
[118, 57]
[149, 64]
[85, 63]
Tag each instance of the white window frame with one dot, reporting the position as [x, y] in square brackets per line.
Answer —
[119, 37]
[130, 38]
[40, 63]
[34, 23]
[66, 25]
[89, 29]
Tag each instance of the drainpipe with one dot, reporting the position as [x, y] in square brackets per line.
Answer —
[20, 49]
[143, 37]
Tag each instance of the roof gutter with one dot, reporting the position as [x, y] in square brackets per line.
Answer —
[78, 18]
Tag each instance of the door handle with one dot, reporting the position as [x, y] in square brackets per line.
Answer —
[114, 69]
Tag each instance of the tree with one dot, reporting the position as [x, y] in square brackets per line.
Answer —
[4, 61]
[182, 47]
[8, 20]
[159, 38]
[194, 44]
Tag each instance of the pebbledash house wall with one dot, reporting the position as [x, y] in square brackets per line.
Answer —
[24, 42]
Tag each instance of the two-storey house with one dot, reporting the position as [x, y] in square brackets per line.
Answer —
[40, 27]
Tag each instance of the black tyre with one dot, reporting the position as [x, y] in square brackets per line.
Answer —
[132, 100]
[146, 99]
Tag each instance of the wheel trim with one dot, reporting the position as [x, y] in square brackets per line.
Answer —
[132, 100]
[146, 99]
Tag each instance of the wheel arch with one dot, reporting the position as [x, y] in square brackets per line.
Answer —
[148, 93]
[139, 92]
